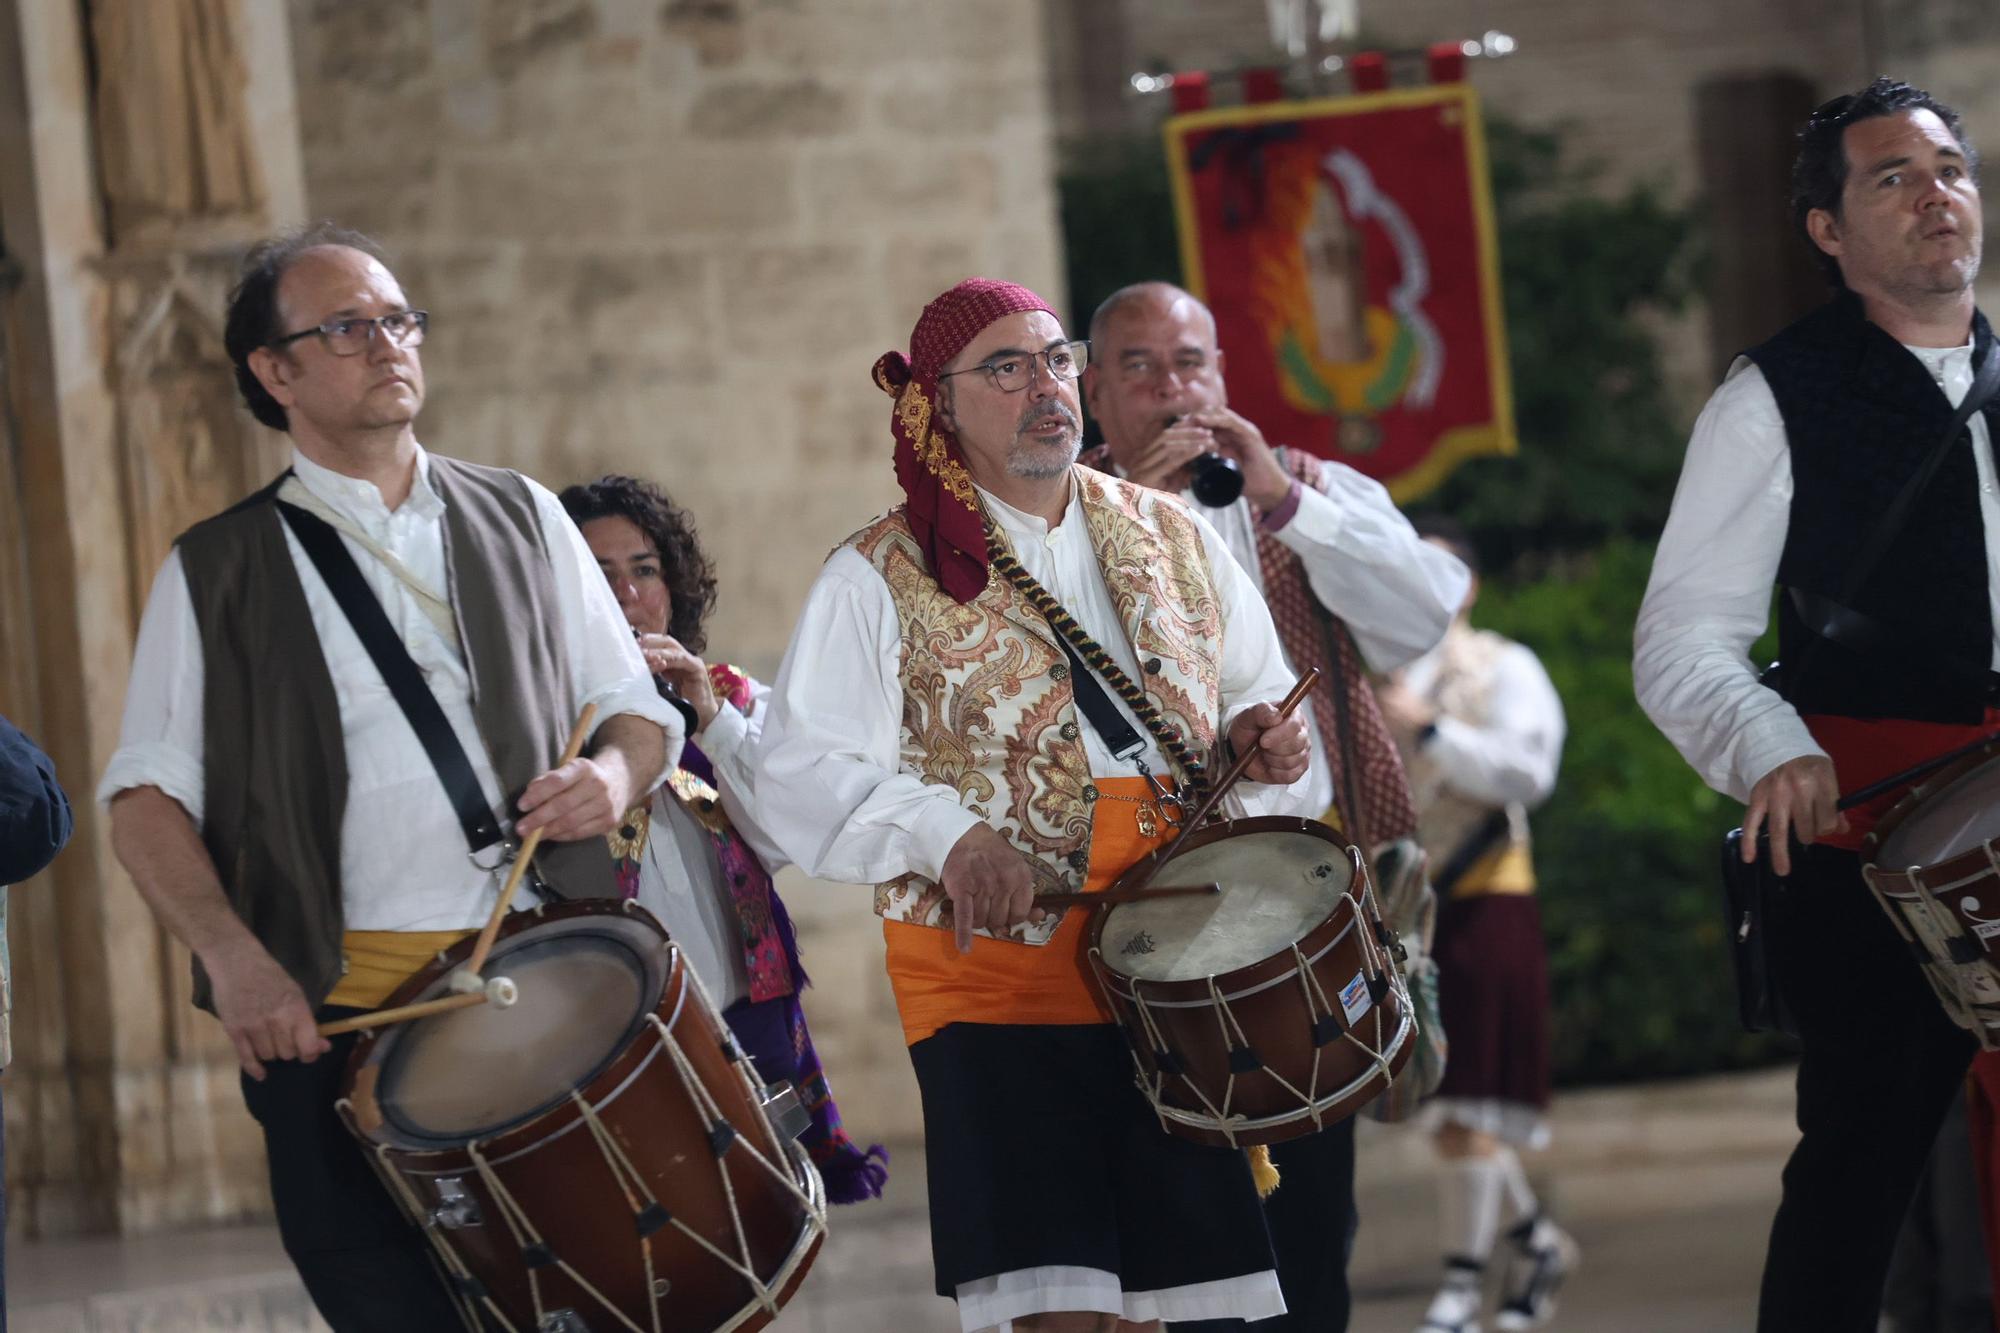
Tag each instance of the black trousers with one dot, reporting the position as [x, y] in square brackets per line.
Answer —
[364, 1265]
[1938, 1279]
[1313, 1222]
[1880, 1065]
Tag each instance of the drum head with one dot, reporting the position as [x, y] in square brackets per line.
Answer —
[1276, 886]
[586, 985]
[1956, 818]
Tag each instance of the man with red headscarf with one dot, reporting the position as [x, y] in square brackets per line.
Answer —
[926, 737]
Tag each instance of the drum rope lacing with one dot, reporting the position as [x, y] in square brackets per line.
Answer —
[519, 1226]
[712, 1113]
[1956, 982]
[1093, 654]
[1153, 1084]
[633, 1186]
[470, 1291]
[466, 1282]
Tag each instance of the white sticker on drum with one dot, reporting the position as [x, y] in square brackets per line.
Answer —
[1354, 999]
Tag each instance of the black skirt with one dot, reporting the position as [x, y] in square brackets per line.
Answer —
[1042, 1152]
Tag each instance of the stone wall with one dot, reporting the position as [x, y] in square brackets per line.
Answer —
[671, 239]
[1952, 48]
[119, 429]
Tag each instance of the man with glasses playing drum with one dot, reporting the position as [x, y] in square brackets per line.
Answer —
[272, 798]
[929, 735]
[1807, 469]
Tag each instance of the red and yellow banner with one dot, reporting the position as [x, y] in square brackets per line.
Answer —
[1346, 247]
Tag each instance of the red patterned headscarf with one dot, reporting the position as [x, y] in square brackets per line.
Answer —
[943, 510]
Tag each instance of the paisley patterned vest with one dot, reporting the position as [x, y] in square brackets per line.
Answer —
[987, 705]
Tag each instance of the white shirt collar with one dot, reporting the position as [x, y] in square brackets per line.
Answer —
[360, 500]
[1020, 523]
[1936, 357]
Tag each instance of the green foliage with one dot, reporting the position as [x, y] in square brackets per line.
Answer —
[1581, 273]
[1626, 849]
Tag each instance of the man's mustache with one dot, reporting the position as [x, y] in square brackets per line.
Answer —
[1037, 414]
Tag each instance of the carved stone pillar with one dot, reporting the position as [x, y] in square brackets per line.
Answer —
[140, 151]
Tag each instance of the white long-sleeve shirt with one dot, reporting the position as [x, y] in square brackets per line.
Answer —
[1513, 758]
[1709, 598]
[404, 862]
[1366, 564]
[680, 877]
[831, 784]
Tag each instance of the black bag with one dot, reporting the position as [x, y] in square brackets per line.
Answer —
[1751, 892]
[1750, 895]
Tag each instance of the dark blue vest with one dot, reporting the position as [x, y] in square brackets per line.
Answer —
[1861, 413]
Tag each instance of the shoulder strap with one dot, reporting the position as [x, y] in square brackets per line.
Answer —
[400, 673]
[1836, 620]
[1118, 735]
[1893, 519]
[1477, 843]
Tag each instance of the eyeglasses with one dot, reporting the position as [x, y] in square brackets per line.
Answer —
[1144, 369]
[1014, 372]
[351, 336]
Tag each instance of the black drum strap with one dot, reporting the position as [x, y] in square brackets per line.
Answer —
[400, 673]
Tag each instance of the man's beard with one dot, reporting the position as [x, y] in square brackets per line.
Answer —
[1036, 460]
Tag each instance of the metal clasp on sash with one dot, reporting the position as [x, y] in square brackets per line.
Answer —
[1166, 799]
[501, 853]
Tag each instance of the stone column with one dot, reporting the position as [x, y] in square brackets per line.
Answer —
[141, 147]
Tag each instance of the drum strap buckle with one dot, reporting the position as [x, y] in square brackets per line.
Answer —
[492, 857]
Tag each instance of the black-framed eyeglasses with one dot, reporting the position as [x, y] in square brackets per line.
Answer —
[1015, 371]
[351, 334]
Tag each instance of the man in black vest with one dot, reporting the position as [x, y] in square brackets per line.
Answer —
[1792, 462]
[270, 796]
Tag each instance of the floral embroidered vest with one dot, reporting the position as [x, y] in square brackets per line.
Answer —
[987, 706]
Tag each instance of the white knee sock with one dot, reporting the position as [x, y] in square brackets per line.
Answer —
[1469, 1210]
[1520, 1198]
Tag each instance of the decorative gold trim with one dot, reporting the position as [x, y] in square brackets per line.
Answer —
[913, 414]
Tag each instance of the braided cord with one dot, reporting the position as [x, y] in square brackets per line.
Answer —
[1098, 660]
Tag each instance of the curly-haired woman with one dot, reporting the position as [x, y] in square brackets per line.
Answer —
[693, 856]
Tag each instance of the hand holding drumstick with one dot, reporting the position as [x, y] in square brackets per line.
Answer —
[497, 990]
[988, 880]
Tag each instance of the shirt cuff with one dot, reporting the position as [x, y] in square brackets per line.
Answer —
[1758, 753]
[725, 732]
[155, 764]
[1280, 516]
[936, 830]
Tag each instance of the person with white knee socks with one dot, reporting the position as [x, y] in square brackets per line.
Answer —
[1481, 731]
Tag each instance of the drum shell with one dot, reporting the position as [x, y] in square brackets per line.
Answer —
[1269, 1001]
[561, 1179]
[1947, 911]
[1970, 864]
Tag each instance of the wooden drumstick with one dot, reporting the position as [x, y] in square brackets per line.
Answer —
[498, 991]
[1113, 897]
[402, 1013]
[527, 853]
[1286, 708]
